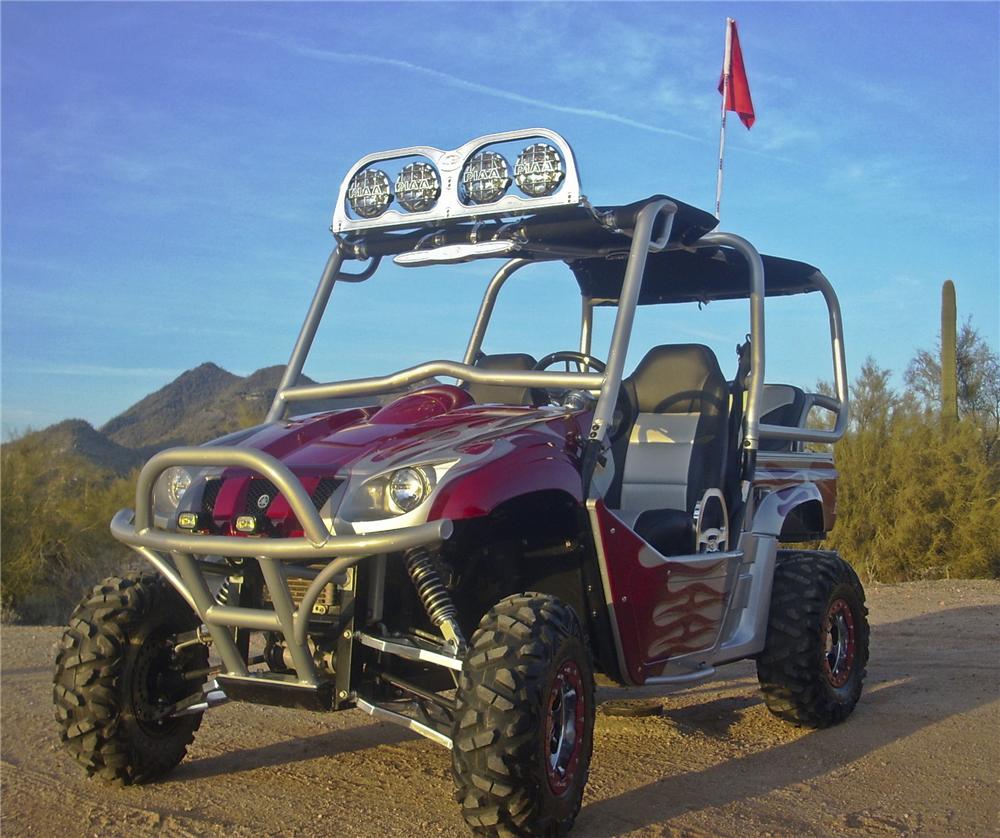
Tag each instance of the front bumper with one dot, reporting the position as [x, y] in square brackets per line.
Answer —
[174, 554]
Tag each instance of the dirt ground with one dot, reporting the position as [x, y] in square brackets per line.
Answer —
[920, 755]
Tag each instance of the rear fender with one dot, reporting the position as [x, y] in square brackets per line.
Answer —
[777, 506]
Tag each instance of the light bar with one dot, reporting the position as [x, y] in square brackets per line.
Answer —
[474, 181]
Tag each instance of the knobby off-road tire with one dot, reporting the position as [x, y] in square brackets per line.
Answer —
[524, 728]
[116, 668]
[813, 664]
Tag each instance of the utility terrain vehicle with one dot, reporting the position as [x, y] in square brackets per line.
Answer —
[460, 558]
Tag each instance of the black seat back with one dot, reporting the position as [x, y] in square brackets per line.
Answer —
[505, 393]
[782, 405]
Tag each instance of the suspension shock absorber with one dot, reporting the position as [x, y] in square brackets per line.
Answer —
[433, 594]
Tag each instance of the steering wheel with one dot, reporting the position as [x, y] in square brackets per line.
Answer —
[568, 356]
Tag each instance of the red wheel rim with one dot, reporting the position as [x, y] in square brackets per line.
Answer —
[565, 724]
[838, 643]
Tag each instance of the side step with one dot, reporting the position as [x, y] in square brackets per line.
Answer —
[278, 691]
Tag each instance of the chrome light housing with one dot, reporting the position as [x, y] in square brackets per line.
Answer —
[370, 193]
[539, 170]
[393, 493]
[418, 187]
[485, 178]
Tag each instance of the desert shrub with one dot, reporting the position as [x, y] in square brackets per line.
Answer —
[917, 499]
[54, 537]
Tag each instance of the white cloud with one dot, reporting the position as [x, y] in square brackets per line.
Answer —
[322, 54]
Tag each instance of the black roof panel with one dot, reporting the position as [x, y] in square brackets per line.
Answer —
[683, 276]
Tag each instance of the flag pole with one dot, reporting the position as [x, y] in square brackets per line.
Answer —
[726, 65]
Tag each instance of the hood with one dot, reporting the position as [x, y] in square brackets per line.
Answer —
[334, 453]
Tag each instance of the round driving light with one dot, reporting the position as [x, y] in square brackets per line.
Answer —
[539, 170]
[178, 480]
[486, 177]
[407, 489]
[369, 193]
[418, 187]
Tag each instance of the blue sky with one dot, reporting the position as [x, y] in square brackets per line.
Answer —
[169, 172]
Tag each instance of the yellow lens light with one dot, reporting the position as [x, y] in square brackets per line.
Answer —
[187, 520]
[246, 523]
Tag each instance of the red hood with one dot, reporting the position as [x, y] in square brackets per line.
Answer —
[433, 425]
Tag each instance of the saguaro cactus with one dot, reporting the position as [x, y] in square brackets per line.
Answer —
[949, 353]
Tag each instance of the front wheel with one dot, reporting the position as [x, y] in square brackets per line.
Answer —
[118, 674]
[813, 664]
[524, 728]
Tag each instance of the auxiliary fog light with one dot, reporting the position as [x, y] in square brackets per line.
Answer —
[539, 170]
[246, 523]
[369, 193]
[486, 177]
[407, 489]
[418, 187]
[187, 520]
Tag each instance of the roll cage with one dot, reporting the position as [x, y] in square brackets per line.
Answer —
[658, 250]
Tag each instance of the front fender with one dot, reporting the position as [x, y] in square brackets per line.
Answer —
[525, 469]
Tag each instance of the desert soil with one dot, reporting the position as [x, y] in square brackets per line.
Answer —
[920, 755]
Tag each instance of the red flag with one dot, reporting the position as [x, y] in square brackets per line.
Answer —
[738, 93]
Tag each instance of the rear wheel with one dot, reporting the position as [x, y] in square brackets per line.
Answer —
[117, 674]
[524, 728]
[813, 664]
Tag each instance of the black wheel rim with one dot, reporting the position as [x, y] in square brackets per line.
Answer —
[565, 725]
[157, 684]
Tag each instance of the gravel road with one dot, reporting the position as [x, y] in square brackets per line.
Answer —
[920, 755]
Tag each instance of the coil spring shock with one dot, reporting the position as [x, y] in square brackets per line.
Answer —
[433, 594]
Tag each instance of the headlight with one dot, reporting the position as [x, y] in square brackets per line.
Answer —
[176, 482]
[485, 178]
[393, 493]
[369, 193]
[539, 170]
[418, 187]
[169, 489]
[407, 489]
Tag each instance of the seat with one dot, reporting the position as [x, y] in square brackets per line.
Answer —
[505, 393]
[782, 405]
[671, 447]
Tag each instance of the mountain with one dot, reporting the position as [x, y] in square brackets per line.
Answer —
[77, 438]
[165, 417]
[200, 404]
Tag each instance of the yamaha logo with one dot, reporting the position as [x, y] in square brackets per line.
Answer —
[263, 501]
